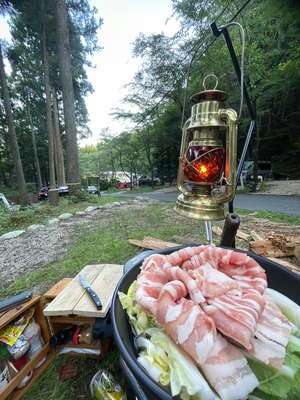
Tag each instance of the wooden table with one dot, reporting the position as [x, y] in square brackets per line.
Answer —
[74, 300]
[68, 303]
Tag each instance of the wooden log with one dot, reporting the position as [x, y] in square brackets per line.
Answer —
[217, 230]
[297, 252]
[266, 249]
[152, 243]
[242, 235]
[284, 242]
[256, 236]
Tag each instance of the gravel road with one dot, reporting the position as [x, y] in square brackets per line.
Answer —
[37, 249]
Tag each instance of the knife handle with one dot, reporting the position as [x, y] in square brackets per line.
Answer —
[95, 298]
[15, 300]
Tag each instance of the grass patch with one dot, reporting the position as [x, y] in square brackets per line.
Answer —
[104, 244]
[50, 386]
[108, 245]
[274, 217]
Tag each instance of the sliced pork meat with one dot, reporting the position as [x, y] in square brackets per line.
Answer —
[185, 321]
[228, 372]
[271, 336]
[198, 293]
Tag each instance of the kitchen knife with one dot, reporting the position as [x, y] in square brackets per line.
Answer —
[15, 300]
[90, 291]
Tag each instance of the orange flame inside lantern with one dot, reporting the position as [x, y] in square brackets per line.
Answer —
[203, 164]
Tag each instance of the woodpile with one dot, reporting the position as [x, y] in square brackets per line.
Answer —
[282, 249]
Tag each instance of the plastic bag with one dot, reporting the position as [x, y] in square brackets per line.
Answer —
[104, 387]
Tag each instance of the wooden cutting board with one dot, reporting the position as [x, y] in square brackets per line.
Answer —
[74, 300]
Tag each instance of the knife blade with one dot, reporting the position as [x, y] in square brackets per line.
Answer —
[85, 284]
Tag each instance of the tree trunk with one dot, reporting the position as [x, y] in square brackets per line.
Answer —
[53, 193]
[36, 159]
[63, 46]
[23, 195]
[60, 168]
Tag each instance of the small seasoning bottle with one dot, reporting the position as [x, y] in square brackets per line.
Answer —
[33, 334]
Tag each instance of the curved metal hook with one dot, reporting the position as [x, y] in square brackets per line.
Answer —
[217, 82]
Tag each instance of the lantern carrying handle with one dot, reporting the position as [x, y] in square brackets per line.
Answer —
[217, 82]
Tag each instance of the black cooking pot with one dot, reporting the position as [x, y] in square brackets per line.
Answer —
[279, 278]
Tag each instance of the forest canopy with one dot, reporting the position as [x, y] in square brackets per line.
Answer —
[158, 98]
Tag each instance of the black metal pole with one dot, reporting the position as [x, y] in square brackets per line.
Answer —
[223, 31]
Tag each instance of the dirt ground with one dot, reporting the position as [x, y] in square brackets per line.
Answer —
[285, 187]
[33, 250]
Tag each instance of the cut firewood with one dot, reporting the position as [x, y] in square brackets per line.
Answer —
[286, 264]
[152, 243]
[284, 242]
[217, 230]
[297, 252]
[256, 236]
[266, 249]
[242, 235]
[277, 245]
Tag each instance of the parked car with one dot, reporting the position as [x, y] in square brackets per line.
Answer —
[265, 170]
[63, 190]
[92, 190]
[145, 181]
[43, 192]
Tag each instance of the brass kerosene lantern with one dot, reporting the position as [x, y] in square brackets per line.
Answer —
[207, 171]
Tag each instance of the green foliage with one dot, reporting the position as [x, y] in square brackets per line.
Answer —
[26, 81]
[271, 76]
[23, 217]
[104, 184]
[4, 220]
[31, 187]
[172, 69]
[78, 196]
